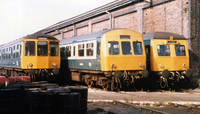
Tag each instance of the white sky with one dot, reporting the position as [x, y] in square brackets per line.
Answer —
[19, 18]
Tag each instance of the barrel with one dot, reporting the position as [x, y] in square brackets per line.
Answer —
[58, 90]
[10, 101]
[83, 97]
[41, 102]
[68, 103]
[46, 85]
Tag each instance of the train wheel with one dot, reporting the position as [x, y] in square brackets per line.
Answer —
[163, 83]
[115, 84]
[106, 87]
[90, 83]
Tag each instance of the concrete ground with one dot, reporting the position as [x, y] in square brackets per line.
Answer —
[185, 98]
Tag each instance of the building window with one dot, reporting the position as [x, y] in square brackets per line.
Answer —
[81, 50]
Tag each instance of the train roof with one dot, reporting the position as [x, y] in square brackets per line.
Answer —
[32, 36]
[39, 35]
[163, 35]
[86, 36]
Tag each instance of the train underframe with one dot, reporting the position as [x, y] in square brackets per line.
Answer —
[112, 80]
[172, 79]
[35, 74]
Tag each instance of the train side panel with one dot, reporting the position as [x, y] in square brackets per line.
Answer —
[83, 55]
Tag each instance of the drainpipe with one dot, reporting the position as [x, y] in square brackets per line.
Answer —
[110, 18]
[199, 35]
[189, 25]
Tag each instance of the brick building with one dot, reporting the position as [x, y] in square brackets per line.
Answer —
[144, 16]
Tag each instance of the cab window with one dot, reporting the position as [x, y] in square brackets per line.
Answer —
[126, 48]
[113, 48]
[180, 50]
[163, 50]
[42, 48]
[54, 48]
[29, 48]
[137, 46]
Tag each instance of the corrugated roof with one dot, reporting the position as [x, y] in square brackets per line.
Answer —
[92, 13]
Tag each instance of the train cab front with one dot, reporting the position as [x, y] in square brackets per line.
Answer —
[170, 59]
[123, 54]
[41, 55]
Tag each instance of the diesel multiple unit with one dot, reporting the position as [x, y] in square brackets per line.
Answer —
[35, 54]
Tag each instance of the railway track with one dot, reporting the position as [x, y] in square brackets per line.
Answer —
[117, 107]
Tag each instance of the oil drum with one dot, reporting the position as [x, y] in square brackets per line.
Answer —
[68, 103]
[41, 102]
[83, 97]
[10, 100]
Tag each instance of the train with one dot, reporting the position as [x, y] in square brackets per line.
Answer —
[114, 59]
[167, 58]
[111, 58]
[36, 55]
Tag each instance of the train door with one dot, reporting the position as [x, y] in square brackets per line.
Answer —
[73, 57]
[29, 54]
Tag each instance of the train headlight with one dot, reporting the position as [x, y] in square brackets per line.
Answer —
[54, 64]
[161, 65]
[30, 64]
[141, 65]
[185, 65]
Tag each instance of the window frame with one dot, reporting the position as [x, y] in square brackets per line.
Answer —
[165, 50]
[29, 47]
[180, 49]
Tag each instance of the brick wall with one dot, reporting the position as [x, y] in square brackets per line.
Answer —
[171, 16]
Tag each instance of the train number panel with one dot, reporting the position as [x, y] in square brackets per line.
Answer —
[110, 58]
[167, 57]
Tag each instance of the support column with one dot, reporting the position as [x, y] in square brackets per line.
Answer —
[74, 30]
[140, 17]
[90, 26]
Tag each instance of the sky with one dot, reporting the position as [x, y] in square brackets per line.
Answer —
[19, 18]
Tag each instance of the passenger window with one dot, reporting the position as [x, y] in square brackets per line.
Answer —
[137, 46]
[54, 48]
[81, 50]
[68, 51]
[29, 48]
[126, 48]
[89, 48]
[163, 50]
[42, 48]
[113, 48]
[180, 50]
